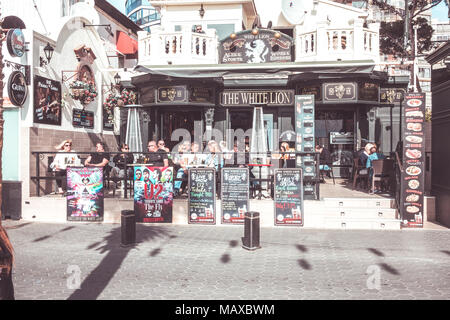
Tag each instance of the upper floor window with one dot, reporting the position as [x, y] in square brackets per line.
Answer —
[66, 4]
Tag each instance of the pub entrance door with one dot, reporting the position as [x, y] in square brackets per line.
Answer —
[171, 120]
[239, 121]
[336, 130]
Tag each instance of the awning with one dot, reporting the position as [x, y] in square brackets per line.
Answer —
[244, 74]
[125, 44]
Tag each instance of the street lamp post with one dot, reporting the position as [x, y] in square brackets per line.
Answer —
[415, 71]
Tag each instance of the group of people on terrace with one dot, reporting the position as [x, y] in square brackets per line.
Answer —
[186, 155]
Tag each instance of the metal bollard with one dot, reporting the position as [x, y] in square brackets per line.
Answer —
[128, 228]
[250, 241]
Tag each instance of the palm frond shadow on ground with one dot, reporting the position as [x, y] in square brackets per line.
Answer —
[98, 279]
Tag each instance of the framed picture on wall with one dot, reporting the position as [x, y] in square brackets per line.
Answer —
[47, 101]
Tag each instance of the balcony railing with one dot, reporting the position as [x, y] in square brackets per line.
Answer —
[182, 47]
[322, 44]
[326, 44]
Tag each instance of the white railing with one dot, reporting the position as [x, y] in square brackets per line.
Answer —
[322, 44]
[307, 44]
[325, 44]
[182, 47]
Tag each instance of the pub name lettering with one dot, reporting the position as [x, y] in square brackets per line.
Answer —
[253, 98]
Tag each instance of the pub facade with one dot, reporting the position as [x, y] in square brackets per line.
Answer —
[220, 82]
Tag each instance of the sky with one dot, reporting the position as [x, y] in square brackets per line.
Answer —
[119, 4]
[439, 12]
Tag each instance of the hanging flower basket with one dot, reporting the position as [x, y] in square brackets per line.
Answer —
[119, 100]
[83, 91]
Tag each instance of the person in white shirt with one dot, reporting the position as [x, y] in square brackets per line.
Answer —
[62, 160]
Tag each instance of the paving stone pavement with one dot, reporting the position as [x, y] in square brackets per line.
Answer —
[207, 262]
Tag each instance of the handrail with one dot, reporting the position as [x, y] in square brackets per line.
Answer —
[399, 163]
[224, 156]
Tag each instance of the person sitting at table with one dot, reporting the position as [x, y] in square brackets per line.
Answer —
[155, 157]
[119, 160]
[213, 158]
[374, 155]
[324, 158]
[363, 156]
[61, 161]
[181, 159]
[195, 158]
[99, 159]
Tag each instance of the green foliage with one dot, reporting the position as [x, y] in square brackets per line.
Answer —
[392, 33]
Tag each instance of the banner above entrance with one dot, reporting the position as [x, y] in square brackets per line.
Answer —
[245, 98]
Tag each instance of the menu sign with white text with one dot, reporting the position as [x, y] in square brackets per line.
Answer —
[235, 194]
[202, 196]
[288, 198]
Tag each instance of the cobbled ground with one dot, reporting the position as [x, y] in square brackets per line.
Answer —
[207, 262]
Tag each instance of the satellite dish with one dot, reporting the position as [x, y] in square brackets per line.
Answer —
[295, 10]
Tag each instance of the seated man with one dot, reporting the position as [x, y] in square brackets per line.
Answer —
[119, 161]
[156, 157]
[99, 158]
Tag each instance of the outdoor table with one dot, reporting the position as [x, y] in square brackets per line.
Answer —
[260, 165]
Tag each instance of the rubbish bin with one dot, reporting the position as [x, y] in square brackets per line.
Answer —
[250, 241]
[12, 200]
[128, 228]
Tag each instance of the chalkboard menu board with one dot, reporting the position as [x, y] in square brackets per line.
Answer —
[412, 178]
[235, 194]
[288, 186]
[305, 142]
[202, 196]
[83, 118]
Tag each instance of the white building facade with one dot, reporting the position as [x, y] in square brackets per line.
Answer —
[86, 38]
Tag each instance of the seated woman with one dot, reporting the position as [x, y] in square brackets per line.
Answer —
[324, 158]
[62, 161]
[374, 155]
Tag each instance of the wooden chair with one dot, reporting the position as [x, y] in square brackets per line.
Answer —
[382, 172]
[359, 173]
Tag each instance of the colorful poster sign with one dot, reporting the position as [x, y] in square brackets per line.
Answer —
[47, 101]
[412, 178]
[305, 141]
[256, 46]
[84, 194]
[235, 194]
[288, 196]
[202, 196]
[153, 194]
